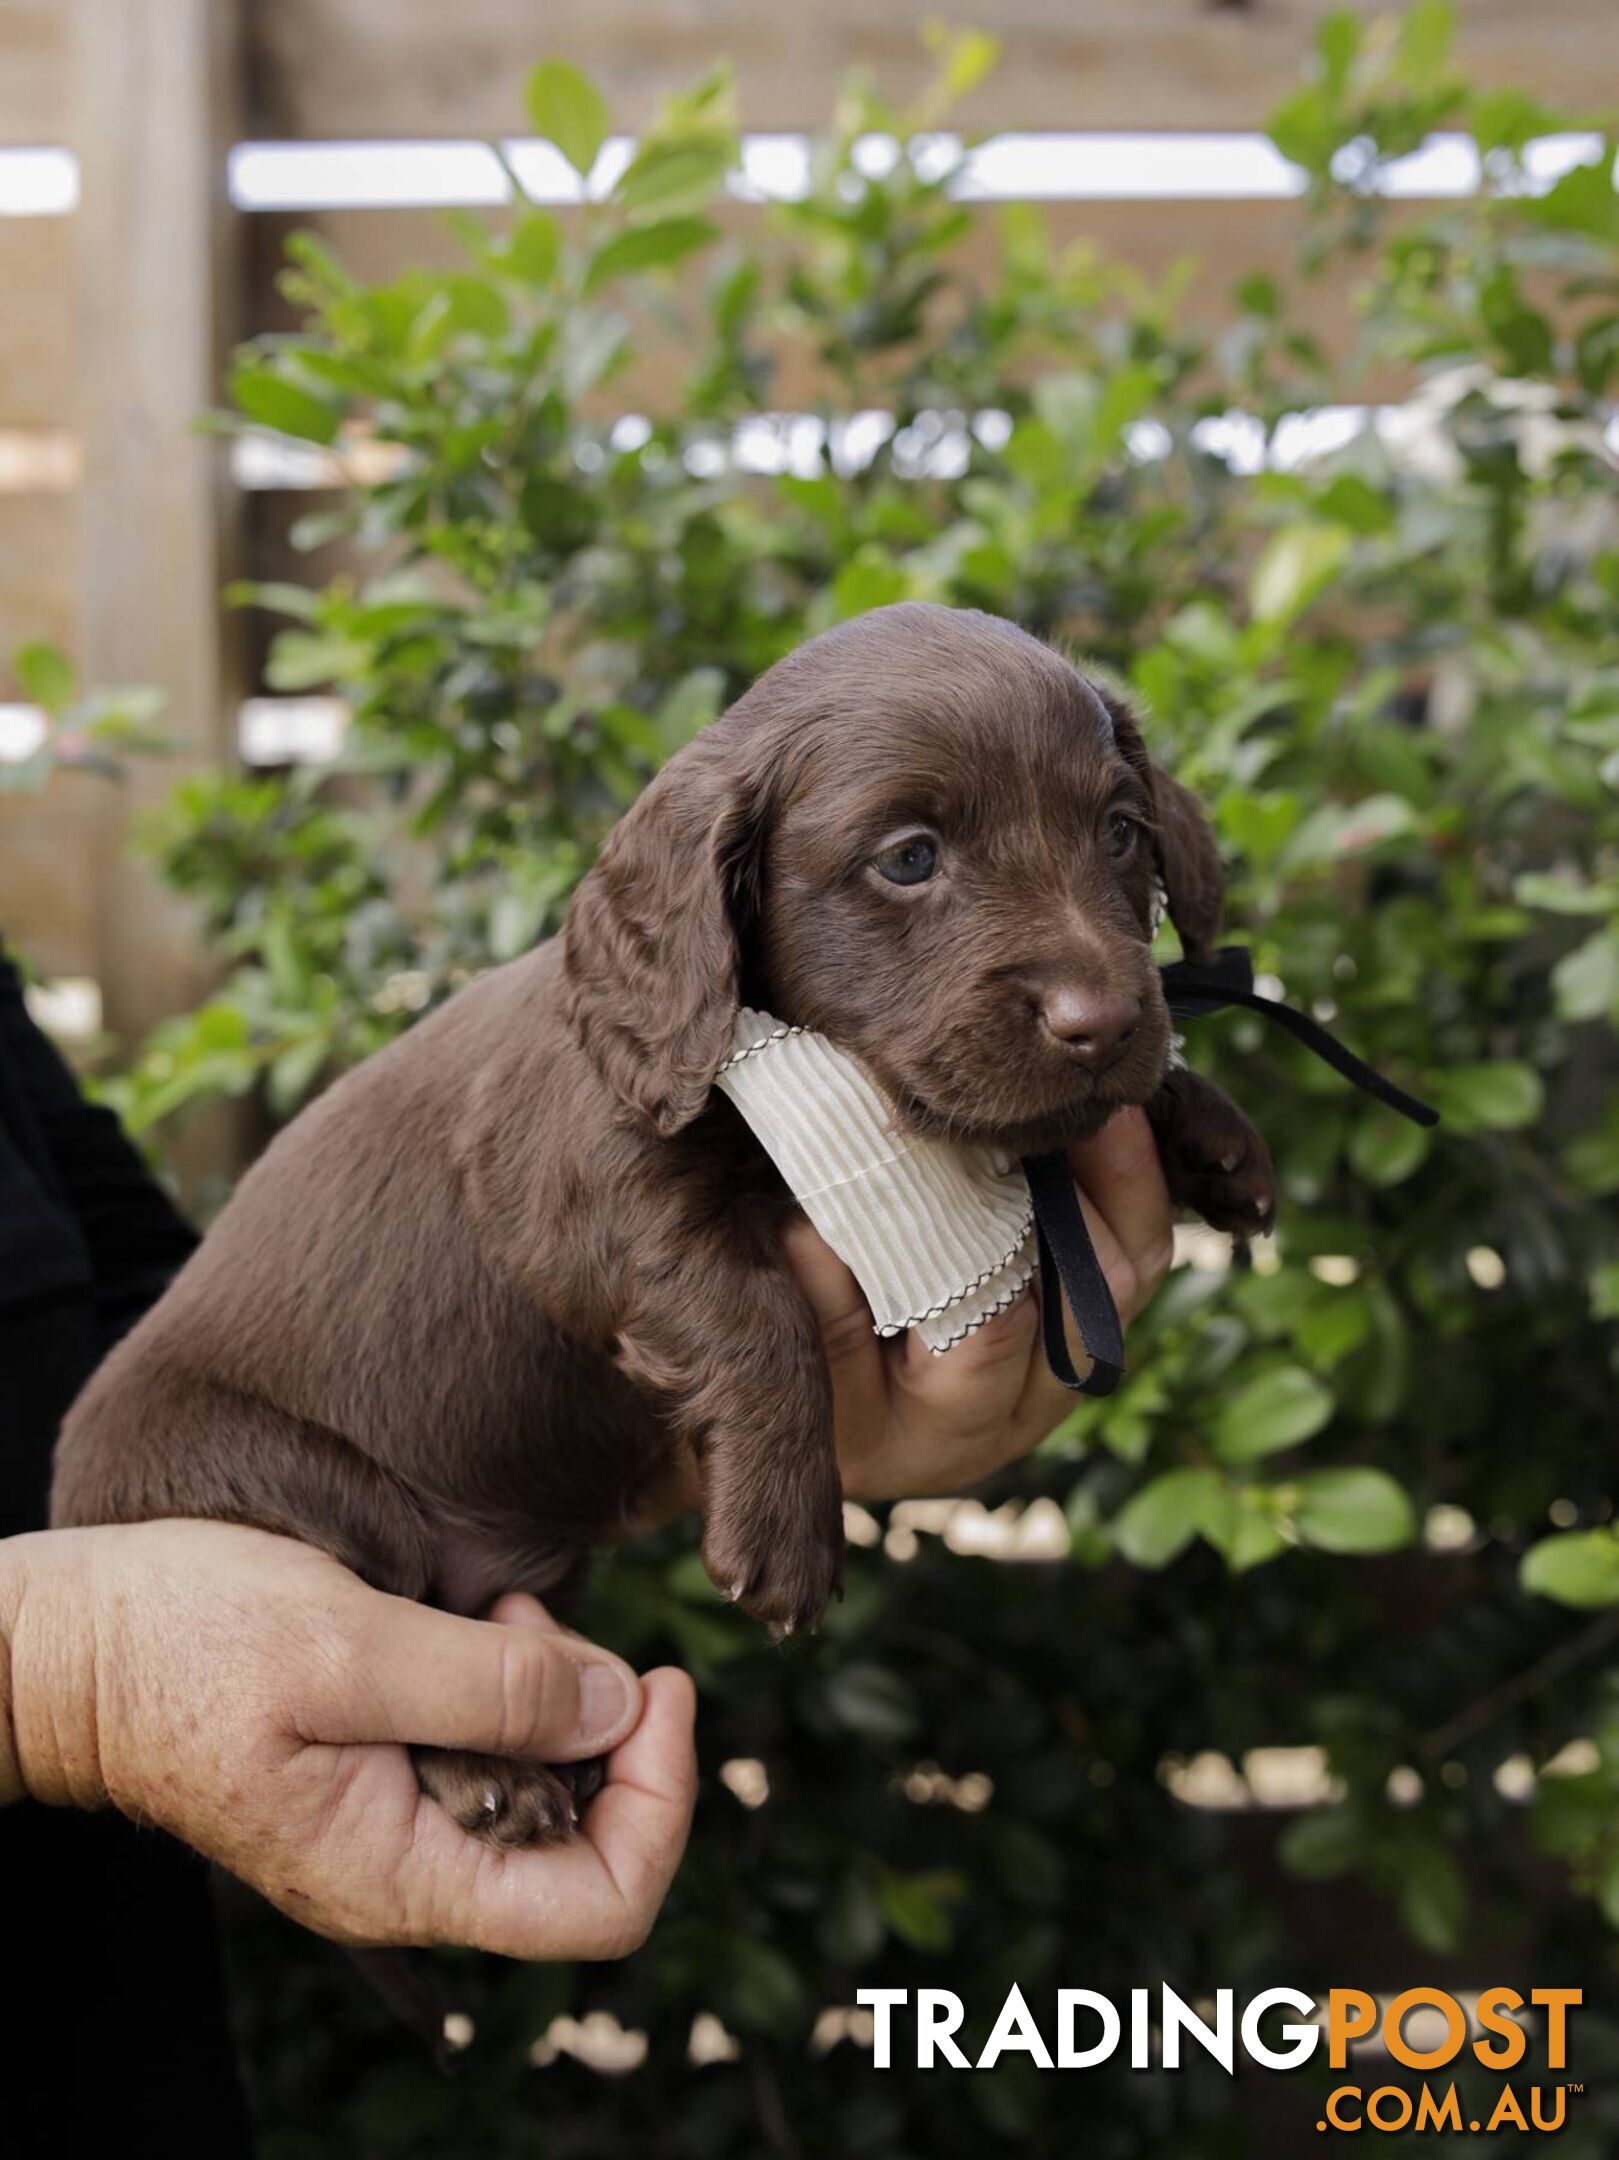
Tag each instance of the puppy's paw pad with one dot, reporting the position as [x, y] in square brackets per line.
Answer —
[503, 1802]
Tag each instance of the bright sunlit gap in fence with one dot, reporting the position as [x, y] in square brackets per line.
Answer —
[38, 183]
[933, 445]
[1074, 166]
[22, 729]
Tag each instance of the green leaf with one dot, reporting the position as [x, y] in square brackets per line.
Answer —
[762, 1989]
[534, 248]
[1508, 119]
[965, 57]
[870, 579]
[690, 705]
[1426, 31]
[1336, 1323]
[1276, 1410]
[565, 107]
[294, 1072]
[1297, 565]
[1592, 1158]
[276, 598]
[1323, 1843]
[648, 247]
[1582, 201]
[918, 1907]
[593, 344]
[1305, 128]
[45, 674]
[1353, 1511]
[1432, 1896]
[1161, 1520]
[1258, 826]
[1256, 1539]
[1565, 896]
[1522, 332]
[124, 720]
[1090, 1543]
[1385, 1149]
[850, 1927]
[1244, 1530]
[312, 660]
[1338, 831]
[872, 1701]
[1605, 1291]
[678, 173]
[1580, 1568]
[1585, 982]
[1501, 1097]
[1338, 42]
[272, 400]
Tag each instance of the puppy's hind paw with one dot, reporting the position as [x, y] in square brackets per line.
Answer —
[504, 1802]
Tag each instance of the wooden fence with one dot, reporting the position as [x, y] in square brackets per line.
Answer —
[118, 523]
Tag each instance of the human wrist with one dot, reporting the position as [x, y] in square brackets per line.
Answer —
[48, 1714]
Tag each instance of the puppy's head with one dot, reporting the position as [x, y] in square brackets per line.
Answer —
[926, 836]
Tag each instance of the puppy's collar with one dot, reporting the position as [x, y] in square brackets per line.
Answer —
[939, 1237]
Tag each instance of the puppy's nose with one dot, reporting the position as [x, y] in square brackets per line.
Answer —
[1093, 1026]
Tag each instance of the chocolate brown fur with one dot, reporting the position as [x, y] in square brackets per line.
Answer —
[466, 1305]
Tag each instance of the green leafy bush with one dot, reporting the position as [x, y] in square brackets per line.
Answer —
[88, 732]
[1391, 667]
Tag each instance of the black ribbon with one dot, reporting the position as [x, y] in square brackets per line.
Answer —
[1068, 1263]
[1069, 1268]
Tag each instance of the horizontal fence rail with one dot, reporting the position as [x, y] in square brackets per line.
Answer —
[341, 68]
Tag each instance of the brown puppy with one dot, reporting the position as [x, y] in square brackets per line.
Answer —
[465, 1305]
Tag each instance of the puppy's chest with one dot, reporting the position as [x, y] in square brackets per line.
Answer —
[726, 1172]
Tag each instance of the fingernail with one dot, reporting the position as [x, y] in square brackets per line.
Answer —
[605, 1701]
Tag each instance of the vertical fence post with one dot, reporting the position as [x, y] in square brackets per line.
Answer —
[156, 94]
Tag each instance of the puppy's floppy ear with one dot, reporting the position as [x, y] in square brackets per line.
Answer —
[650, 947]
[1188, 859]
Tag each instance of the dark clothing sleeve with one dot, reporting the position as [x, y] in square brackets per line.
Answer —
[78, 1208]
[121, 2031]
[88, 1240]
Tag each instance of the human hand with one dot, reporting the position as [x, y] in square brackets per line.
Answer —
[252, 1696]
[909, 1423]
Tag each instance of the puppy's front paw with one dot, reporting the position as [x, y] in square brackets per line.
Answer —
[776, 1549]
[1215, 1161]
[507, 1802]
[1233, 1189]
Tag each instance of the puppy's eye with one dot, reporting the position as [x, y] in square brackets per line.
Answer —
[911, 861]
[1121, 834]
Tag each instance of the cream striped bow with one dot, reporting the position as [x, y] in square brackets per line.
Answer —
[939, 1237]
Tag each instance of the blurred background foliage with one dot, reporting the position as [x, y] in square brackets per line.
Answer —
[1355, 1495]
